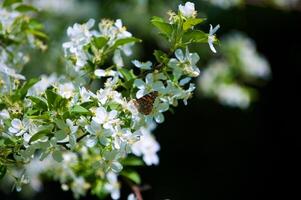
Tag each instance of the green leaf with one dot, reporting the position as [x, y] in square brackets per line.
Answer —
[60, 135]
[51, 97]
[26, 8]
[39, 101]
[190, 22]
[38, 34]
[124, 41]
[1, 27]
[24, 89]
[3, 170]
[61, 125]
[195, 36]
[44, 131]
[55, 100]
[164, 28]
[7, 3]
[89, 104]
[132, 175]
[79, 110]
[101, 41]
[35, 25]
[57, 156]
[132, 161]
[128, 75]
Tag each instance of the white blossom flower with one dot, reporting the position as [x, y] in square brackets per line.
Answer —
[104, 73]
[66, 90]
[112, 160]
[108, 94]
[123, 137]
[41, 86]
[184, 64]
[18, 127]
[225, 3]
[10, 72]
[148, 86]
[233, 95]
[117, 58]
[142, 65]
[4, 114]
[188, 10]
[212, 38]
[158, 109]
[107, 119]
[112, 186]
[7, 18]
[79, 36]
[147, 147]
[97, 134]
[85, 95]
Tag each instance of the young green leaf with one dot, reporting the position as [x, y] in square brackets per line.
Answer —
[100, 42]
[26, 8]
[132, 161]
[190, 22]
[79, 110]
[124, 41]
[164, 28]
[61, 125]
[131, 175]
[128, 75]
[195, 36]
[60, 135]
[39, 102]
[57, 156]
[7, 3]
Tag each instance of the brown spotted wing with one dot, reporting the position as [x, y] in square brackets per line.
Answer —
[145, 104]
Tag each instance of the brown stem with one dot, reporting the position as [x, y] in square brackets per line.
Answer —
[137, 192]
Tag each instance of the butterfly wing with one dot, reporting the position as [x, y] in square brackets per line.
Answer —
[145, 104]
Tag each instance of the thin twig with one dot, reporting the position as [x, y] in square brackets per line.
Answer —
[64, 144]
[137, 192]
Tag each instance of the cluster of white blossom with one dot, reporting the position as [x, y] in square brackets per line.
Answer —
[92, 134]
[12, 36]
[7, 68]
[285, 3]
[223, 79]
[56, 6]
[226, 3]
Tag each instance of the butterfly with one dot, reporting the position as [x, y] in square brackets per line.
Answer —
[145, 104]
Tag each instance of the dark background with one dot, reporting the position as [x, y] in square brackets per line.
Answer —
[211, 152]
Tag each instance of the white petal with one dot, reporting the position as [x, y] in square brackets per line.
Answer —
[100, 73]
[140, 93]
[179, 54]
[13, 130]
[159, 118]
[215, 29]
[16, 123]
[113, 114]
[90, 23]
[139, 83]
[212, 47]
